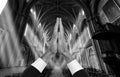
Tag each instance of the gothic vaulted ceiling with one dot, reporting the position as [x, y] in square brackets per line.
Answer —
[49, 10]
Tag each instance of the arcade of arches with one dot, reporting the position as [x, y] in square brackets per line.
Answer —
[88, 29]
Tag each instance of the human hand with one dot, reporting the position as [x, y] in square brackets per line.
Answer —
[47, 56]
[68, 56]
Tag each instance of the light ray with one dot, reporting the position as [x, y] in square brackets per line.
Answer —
[2, 5]
[13, 50]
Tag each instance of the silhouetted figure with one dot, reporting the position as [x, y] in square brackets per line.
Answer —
[40, 68]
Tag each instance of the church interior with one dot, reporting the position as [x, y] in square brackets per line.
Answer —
[88, 29]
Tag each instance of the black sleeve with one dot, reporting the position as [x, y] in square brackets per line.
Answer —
[31, 72]
[81, 73]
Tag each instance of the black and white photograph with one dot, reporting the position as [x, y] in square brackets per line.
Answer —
[56, 38]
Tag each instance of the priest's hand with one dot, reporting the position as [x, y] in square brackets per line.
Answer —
[68, 57]
[47, 56]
